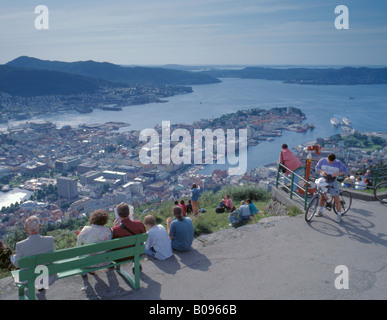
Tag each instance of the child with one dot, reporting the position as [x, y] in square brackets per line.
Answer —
[158, 244]
[183, 207]
[189, 207]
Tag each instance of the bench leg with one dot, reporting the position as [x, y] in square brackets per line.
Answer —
[137, 274]
[31, 290]
[134, 283]
[22, 292]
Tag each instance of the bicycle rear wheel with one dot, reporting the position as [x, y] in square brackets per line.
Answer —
[311, 209]
[345, 198]
[380, 192]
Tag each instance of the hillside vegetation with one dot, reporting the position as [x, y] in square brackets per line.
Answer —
[116, 73]
[30, 82]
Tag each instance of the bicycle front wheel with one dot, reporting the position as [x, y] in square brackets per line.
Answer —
[311, 209]
[380, 192]
[345, 198]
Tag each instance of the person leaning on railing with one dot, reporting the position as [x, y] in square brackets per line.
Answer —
[290, 161]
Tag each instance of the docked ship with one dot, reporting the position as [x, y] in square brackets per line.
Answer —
[335, 122]
[348, 130]
[347, 122]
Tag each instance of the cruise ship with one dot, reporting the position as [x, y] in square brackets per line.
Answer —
[335, 122]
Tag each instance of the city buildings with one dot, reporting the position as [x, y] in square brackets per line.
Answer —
[89, 174]
[67, 187]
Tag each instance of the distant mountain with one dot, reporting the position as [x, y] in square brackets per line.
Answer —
[112, 72]
[31, 82]
[318, 76]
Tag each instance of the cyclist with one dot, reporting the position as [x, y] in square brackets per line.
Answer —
[330, 168]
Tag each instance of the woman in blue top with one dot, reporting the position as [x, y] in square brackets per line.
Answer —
[195, 198]
[252, 207]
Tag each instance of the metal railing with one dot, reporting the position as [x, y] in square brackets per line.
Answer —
[378, 175]
[290, 178]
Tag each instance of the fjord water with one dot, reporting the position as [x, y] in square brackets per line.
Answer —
[364, 105]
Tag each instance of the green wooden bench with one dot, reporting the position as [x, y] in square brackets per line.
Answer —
[74, 261]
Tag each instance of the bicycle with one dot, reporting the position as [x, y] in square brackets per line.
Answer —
[345, 198]
[380, 192]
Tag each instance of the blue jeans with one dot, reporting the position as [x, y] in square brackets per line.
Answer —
[296, 179]
[233, 220]
[239, 219]
[150, 252]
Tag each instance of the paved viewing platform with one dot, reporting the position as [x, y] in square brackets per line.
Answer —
[278, 258]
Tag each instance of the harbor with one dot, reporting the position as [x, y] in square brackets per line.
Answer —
[345, 124]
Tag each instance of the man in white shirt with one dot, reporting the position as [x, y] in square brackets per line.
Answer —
[158, 244]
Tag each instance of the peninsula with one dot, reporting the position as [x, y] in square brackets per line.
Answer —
[311, 76]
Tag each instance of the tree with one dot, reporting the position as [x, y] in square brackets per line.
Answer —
[64, 205]
[110, 148]
[377, 140]
[105, 188]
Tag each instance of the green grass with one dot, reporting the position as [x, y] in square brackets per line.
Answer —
[207, 222]
[210, 221]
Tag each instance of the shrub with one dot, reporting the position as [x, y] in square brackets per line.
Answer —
[244, 192]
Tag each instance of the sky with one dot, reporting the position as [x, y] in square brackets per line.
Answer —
[197, 32]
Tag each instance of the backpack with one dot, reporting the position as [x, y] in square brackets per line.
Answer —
[219, 210]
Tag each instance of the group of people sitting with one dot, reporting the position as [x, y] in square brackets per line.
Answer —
[185, 208]
[160, 243]
[243, 213]
[358, 181]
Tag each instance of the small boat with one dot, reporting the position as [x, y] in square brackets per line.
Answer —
[108, 108]
[5, 188]
[303, 128]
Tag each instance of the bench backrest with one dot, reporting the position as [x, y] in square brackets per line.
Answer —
[83, 256]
